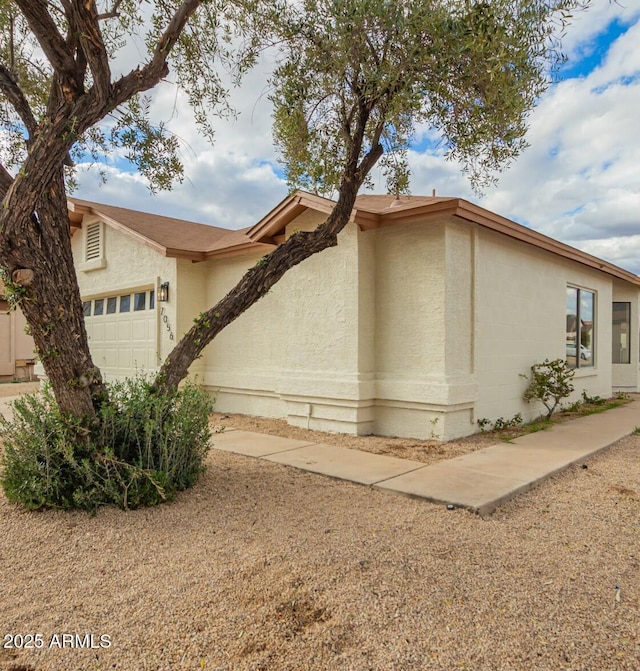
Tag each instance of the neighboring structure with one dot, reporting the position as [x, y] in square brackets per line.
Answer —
[17, 358]
[418, 323]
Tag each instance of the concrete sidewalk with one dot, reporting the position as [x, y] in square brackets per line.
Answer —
[480, 481]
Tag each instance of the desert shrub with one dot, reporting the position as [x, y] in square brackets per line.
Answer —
[142, 449]
[550, 383]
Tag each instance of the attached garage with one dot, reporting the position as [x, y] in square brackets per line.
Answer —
[123, 332]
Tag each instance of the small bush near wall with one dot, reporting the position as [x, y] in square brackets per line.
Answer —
[550, 383]
[143, 450]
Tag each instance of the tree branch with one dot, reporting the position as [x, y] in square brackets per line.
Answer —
[53, 45]
[83, 20]
[144, 78]
[12, 91]
[5, 181]
[113, 13]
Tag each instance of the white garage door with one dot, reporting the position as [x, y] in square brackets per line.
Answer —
[123, 332]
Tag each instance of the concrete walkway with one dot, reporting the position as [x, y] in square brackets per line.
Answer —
[480, 481]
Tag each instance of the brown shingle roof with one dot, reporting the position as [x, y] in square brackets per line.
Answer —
[186, 239]
[167, 235]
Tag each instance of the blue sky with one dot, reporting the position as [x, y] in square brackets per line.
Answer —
[579, 181]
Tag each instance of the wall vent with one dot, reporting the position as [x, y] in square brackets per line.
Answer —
[93, 242]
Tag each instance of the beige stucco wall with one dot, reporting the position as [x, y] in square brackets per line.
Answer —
[425, 380]
[409, 328]
[298, 352]
[520, 320]
[16, 346]
[241, 365]
[414, 330]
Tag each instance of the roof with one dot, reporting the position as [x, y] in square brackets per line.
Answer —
[198, 242]
[168, 236]
[372, 212]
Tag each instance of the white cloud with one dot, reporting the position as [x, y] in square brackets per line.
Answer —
[577, 182]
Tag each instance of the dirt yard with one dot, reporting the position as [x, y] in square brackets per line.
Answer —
[262, 567]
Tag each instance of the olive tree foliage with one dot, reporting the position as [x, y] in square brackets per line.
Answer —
[73, 79]
[354, 81]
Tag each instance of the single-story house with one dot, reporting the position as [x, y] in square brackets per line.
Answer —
[17, 356]
[419, 323]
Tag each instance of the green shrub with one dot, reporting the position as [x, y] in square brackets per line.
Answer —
[142, 450]
[550, 382]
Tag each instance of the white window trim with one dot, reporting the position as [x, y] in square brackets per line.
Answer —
[592, 369]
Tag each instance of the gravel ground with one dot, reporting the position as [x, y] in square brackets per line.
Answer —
[263, 567]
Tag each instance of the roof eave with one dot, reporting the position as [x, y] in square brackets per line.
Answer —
[237, 250]
[275, 222]
[476, 214]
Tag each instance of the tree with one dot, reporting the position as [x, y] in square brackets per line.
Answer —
[354, 80]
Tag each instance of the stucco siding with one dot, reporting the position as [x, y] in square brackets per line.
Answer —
[128, 264]
[294, 353]
[521, 320]
[190, 296]
[410, 308]
[410, 329]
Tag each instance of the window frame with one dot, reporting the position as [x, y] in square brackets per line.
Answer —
[579, 363]
[627, 321]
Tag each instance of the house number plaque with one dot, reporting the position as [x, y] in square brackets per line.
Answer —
[165, 321]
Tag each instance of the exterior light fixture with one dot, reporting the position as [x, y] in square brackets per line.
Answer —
[163, 292]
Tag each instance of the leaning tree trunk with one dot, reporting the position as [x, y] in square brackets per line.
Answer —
[257, 282]
[41, 276]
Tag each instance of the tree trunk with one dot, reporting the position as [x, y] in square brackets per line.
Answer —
[254, 285]
[41, 274]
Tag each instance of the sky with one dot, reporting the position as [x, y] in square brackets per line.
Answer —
[578, 181]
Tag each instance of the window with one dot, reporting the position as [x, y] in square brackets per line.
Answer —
[125, 303]
[98, 307]
[86, 306]
[152, 299]
[111, 305]
[140, 301]
[620, 350]
[580, 340]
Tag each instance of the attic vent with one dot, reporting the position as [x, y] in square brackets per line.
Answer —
[93, 241]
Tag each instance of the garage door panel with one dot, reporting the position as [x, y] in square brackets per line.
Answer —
[139, 330]
[123, 343]
[110, 357]
[124, 330]
[111, 331]
[98, 331]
